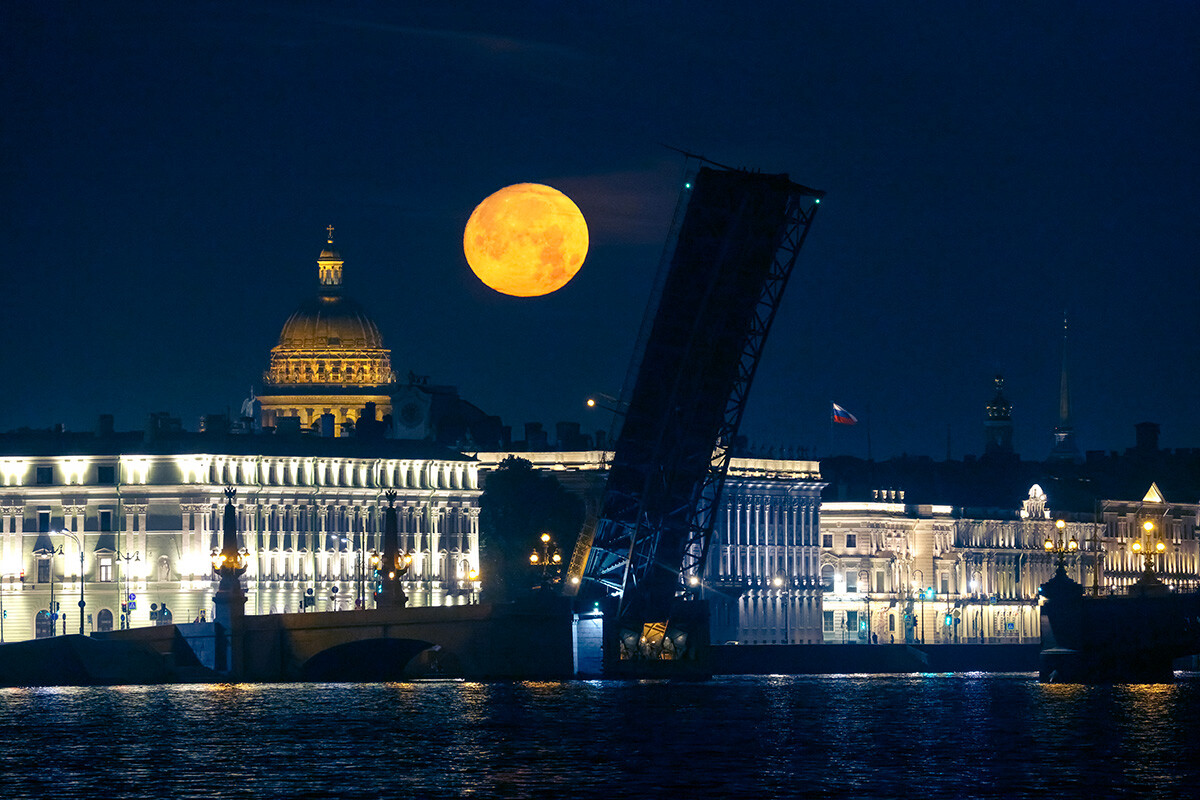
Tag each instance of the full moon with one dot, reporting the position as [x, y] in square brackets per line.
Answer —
[526, 240]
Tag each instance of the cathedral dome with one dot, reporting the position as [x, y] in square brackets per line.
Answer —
[330, 321]
[330, 340]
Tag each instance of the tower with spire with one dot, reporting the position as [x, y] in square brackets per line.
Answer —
[998, 429]
[1065, 448]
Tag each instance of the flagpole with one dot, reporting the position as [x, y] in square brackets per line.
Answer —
[868, 431]
[830, 428]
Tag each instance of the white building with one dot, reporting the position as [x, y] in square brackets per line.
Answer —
[121, 516]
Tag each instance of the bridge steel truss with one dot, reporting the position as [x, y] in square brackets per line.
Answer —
[736, 249]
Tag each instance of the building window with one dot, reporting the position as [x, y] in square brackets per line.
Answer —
[851, 541]
[106, 576]
[106, 475]
[43, 626]
[104, 620]
[43, 566]
[891, 623]
[827, 541]
[852, 621]
[827, 578]
[45, 476]
[945, 583]
[851, 580]
[105, 520]
[827, 620]
[879, 581]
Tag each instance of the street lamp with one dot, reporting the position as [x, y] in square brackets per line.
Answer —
[978, 609]
[1146, 550]
[926, 594]
[549, 559]
[1059, 545]
[127, 604]
[777, 582]
[78, 543]
[52, 552]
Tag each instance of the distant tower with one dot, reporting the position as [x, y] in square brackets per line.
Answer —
[1064, 448]
[998, 429]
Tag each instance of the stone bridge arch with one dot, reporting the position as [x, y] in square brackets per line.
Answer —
[377, 660]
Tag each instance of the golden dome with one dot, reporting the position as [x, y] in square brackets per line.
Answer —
[330, 339]
[330, 321]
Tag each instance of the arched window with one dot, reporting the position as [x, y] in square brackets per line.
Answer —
[43, 626]
[827, 577]
[104, 620]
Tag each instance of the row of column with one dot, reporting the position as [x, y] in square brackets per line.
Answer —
[762, 537]
[275, 529]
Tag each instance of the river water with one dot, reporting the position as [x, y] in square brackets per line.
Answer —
[887, 736]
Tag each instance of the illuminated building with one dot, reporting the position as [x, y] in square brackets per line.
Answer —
[761, 573]
[146, 509]
[900, 572]
[905, 572]
[330, 359]
[1170, 541]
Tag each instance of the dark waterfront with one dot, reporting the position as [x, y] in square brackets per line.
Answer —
[927, 736]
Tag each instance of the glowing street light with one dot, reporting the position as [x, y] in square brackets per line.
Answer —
[549, 559]
[1059, 545]
[1146, 549]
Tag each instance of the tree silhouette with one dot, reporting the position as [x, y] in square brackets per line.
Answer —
[517, 506]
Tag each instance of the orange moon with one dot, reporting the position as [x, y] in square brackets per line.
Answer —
[526, 240]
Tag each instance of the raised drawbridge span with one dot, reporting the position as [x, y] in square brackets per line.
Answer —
[736, 241]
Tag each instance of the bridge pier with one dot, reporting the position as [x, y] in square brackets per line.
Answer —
[1132, 638]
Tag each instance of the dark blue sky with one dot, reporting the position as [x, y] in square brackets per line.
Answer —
[169, 169]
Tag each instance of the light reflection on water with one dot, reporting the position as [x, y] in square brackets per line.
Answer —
[952, 736]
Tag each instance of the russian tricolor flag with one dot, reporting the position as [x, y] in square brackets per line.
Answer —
[842, 416]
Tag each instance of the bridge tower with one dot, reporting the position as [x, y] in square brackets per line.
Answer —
[393, 564]
[699, 348]
[229, 613]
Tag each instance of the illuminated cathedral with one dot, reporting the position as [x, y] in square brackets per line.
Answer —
[330, 361]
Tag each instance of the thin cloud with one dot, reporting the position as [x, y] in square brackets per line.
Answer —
[627, 207]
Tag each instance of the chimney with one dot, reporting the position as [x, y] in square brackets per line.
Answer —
[104, 425]
[1147, 437]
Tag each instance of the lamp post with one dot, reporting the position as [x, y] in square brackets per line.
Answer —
[127, 605]
[360, 571]
[54, 551]
[1060, 546]
[79, 543]
[777, 582]
[549, 558]
[1150, 547]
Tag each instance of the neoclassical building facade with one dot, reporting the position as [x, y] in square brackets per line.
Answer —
[894, 572]
[128, 524]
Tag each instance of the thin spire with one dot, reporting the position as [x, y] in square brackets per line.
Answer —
[1064, 390]
[1064, 448]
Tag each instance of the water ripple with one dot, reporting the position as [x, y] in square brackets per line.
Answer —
[928, 736]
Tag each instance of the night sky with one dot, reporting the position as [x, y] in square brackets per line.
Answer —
[169, 169]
